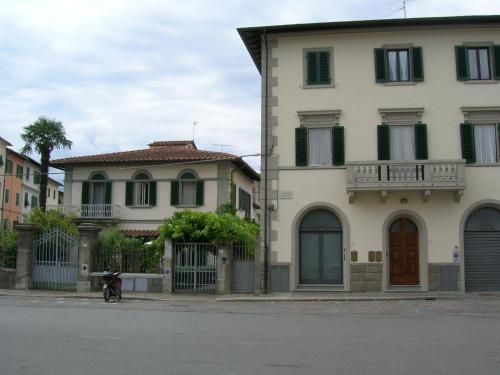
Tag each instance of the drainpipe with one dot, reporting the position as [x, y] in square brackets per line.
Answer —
[266, 211]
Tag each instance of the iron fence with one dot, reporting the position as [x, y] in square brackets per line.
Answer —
[127, 261]
[195, 267]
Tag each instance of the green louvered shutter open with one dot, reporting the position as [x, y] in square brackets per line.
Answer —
[338, 148]
[129, 193]
[461, 62]
[85, 192]
[174, 193]
[421, 150]
[417, 64]
[383, 142]
[233, 195]
[324, 68]
[312, 68]
[496, 62]
[301, 147]
[1, 160]
[152, 193]
[200, 192]
[107, 192]
[380, 65]
[467, 138]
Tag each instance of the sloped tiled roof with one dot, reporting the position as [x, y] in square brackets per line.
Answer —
[161, 151]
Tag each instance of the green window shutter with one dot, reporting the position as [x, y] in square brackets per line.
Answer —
[129, 193]
[7, 195]
[324, 68]
[174, 193]
[380, 65]
[108, 189]
[152, 193]
[467, 139]
[85, 192]
[36, 178]
[19, 172]
[233, 195]
[421, 151]
[200, 192]
[301, 147]
[383, 142]
[1, 160]
[312, 68]
[17, 199]
[338, 148]
[417, 64]
[496, 62]
[462, 64]
[8, 166]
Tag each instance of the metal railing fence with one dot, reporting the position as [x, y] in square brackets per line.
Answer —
[140, 260]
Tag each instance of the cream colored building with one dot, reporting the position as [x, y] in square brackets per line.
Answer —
[383, 162]
[138, 189]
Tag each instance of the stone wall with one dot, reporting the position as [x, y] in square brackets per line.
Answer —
[366, 277]
[7, 278]
[444, 277]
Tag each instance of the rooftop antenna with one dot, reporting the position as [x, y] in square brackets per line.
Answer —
[221, 146]
[400, 5]
[194, 124]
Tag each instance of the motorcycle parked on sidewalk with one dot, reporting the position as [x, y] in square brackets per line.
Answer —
[112, 286]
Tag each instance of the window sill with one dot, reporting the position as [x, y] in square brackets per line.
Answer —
[409, 83]
[330, 86]
[483, 165]
[186, 206]
[148, 206]
[481, 82]
[313, 167]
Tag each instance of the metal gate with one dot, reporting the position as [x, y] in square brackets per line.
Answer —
[55, 260]
[243, 269]
[482, 250]
[195, 267]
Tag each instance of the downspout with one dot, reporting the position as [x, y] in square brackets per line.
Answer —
[266, 213]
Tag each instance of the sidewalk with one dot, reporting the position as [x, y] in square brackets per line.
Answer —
[275, 297]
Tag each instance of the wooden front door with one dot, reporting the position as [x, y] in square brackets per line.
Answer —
[403, 253]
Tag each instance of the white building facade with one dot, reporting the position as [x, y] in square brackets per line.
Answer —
[382, 154]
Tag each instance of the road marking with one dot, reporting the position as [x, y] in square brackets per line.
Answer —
[59, 301]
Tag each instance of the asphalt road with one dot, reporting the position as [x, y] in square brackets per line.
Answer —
[72, 336]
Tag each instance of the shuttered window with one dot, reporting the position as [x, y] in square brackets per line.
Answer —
[245, 202]
[19, 172]
[399, 65]
[480, 142]
[402, 142]
[477, 63]
[318, 70]
[8, 166]
[187, 191]
[319, 146]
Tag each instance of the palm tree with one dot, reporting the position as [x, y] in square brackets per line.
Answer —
[43, 136]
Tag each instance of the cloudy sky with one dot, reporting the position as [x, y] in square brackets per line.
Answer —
[122, 73]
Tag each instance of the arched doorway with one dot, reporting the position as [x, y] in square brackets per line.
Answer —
[403, 252]
[320, 251]
[482, 250]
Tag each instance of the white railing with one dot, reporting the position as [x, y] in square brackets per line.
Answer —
[406, 175]
[90, 211]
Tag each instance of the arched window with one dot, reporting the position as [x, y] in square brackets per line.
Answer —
[96, 191]
[188, 190]
[141, 191]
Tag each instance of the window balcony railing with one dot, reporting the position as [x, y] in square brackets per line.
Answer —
[89, 211]
[424, 175]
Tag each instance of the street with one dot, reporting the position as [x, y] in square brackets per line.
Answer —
[87, 336]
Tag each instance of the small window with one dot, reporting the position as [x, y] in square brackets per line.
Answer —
[320, 146]
[399, 65]
[479, 63]
[54, 194]
[485, 142]
[402, 142]
[48, 192]
[36, 178]
[27, 174]
[34, 201]
[19, 172]
[245, 203]
[7, 195]
[8, 166]
[318, 67]
[188, 189]
[26, 200]
[17, 199]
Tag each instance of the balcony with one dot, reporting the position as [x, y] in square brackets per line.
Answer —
[424, 175]
[100, 212]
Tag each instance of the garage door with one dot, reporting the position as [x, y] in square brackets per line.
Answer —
[482, 250]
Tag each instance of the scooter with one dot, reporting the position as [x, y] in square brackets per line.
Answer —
[112, 286]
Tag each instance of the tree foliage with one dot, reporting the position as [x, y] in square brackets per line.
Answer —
[48, 220]
[8, 246]
[43, 136]
[195, 226]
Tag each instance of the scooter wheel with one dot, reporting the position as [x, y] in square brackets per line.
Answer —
[107, 295]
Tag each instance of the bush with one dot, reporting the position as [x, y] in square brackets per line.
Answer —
[223, 229]
[53, 219]
[8, 247]
[111, 239]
